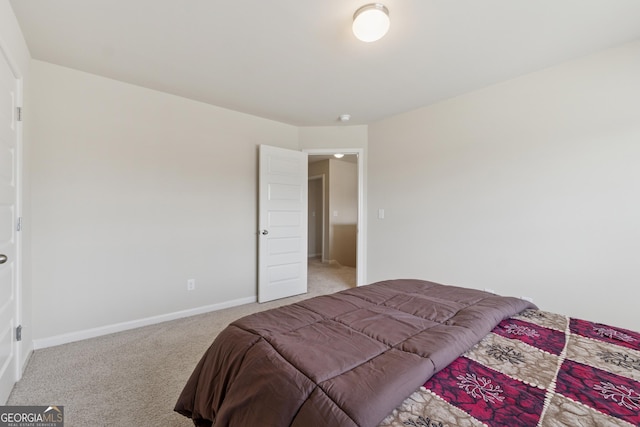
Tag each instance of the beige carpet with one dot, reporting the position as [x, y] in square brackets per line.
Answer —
[133, 378]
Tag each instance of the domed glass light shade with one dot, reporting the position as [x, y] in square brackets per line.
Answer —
[371, 22]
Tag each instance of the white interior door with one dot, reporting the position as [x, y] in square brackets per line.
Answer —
[282, 223]
[8, 237]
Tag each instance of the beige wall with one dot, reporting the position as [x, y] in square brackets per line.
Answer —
[314, 137]
[343, 211]
[529, 188]
[134, 192]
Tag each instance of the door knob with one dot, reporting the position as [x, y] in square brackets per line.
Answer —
[264, 232]
[3, 258]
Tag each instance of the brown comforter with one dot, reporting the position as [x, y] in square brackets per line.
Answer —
[346, 359]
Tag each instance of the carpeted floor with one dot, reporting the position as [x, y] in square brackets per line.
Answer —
[133, 378]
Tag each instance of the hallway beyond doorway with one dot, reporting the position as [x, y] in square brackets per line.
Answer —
[329, 275]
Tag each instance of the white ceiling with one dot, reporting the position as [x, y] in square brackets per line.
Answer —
[296, 61]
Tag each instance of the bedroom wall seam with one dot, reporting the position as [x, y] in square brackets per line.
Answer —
[133, 324]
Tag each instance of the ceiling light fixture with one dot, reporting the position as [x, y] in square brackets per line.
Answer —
[371, 22]
[338, 155]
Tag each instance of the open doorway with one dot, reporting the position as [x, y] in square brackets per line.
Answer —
[336, 214]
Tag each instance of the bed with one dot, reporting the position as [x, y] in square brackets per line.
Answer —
[415, 353]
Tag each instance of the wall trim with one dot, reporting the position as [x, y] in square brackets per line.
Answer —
[133, 324]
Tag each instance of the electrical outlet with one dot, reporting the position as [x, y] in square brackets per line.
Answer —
[191, 284]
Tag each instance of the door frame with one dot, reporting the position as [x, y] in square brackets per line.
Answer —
[361, 243]
[19, 164]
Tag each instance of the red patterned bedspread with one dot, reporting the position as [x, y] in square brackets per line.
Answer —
[534, 369]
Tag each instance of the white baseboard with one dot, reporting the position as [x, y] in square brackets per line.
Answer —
[124, 326]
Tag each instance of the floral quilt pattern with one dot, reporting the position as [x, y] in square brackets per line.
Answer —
[534, 369]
